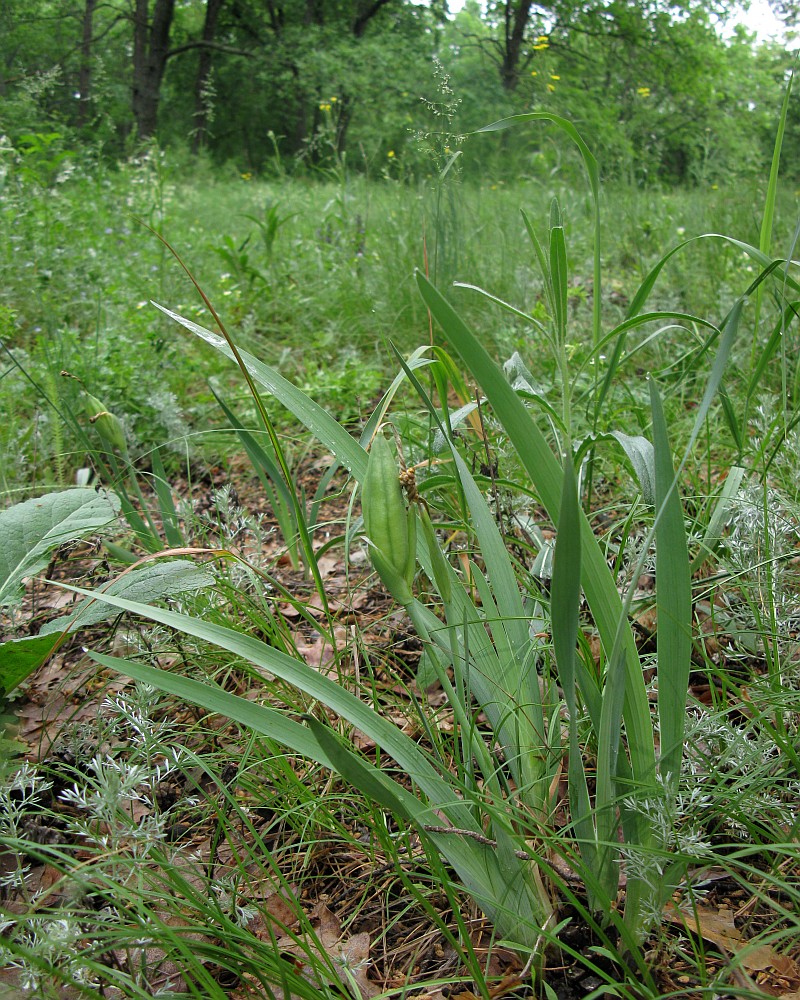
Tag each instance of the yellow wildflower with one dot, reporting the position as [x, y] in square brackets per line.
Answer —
[334, 100]
[643, 91]
[554, 77]
[390, 154]
[551, 88]
[246, 176]
[534, 72]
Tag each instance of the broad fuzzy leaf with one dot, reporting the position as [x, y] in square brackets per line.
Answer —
[152, 582]
[31, 530]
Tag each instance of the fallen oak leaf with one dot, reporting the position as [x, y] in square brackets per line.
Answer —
[716, 925]
[349, 956]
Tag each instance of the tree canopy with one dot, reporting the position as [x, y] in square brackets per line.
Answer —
[653, 86]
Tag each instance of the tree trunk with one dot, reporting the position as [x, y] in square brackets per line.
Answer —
[517, 19]
[201, 92]
[85, 72]
[313, 13]
[150, 51]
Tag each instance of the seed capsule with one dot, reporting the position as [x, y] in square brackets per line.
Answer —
[390, 525]
[108, 426]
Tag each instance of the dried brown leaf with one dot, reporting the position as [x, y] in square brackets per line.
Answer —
[716, 925]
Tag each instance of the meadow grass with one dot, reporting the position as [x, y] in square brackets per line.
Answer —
[320, 293]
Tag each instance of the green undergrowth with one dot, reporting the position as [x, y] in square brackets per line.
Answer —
[315, 276]
[554, 731]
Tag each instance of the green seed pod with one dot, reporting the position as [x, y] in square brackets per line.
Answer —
[108, 426]
[389, 524]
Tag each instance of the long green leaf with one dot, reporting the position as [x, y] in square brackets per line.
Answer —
[369, 780]
[620, 336]
[546, 476]
[765, 235]
[609, 740]
[765, 262]
[560, 279]
[565, 597]
[321, 424]
[272, 482]
[719, 517]
[503, 684]
[544, 267]
[166, 505]
[729, 331]
[506, 897]
[673, 603]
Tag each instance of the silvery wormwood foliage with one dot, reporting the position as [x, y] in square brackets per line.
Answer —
[762, 535]
[20, 794]
[730, 780]
[228, 892]
[113, 812]
[51, 943]
[170, 415]
[745, 762]
[114, 782]
[677, 823]
[240, 530]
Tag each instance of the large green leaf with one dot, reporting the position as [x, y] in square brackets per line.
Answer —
[20, 657]
[29, 532]
[673, 603]
[565, 600]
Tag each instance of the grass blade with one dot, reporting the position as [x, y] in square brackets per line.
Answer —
[166, 506]
[565, 596]
[546, 476]
[765, 235]
[673, 602]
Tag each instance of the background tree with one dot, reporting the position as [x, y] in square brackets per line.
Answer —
[654, 87]
[85, 75]
[150, 53]
[202, 91]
